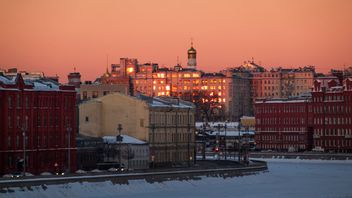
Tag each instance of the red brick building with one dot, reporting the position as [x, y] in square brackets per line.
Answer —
[332, 110]
[322, 122]
[283, 125]
[45, 112]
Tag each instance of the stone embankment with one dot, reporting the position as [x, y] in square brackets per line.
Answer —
[303, 155]
[203, 168]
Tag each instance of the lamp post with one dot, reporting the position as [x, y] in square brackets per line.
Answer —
[217, 149]
[225, 127]
[204, 142]
[239, 143]
[24, 128]
[152, 147]
[69, 129]
[119, 128]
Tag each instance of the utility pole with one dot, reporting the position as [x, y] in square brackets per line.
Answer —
[24, 128]
[119, 128]
[69, 129]
[204, 142]
[225, 127]
[153, 146]
[217, 141]
[188, 142]
[239, 143]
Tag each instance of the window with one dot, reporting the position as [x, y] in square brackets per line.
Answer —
[18, 101]
[9, 141]
[95, 94]
[18, 122]
[87, 119]
[9, 121]
[9, 102]
[141, 122]
[84, 95]
[27, 102]
[39, 121]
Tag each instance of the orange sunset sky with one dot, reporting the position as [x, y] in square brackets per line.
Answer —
[53, 36]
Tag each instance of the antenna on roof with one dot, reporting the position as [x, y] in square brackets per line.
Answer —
[107, 63]
[252, 59]
[74, 68]
[177, 61]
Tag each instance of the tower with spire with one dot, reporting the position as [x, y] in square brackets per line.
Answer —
[192, 57]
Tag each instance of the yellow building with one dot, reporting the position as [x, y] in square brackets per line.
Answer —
[167, 124]
[96, 90]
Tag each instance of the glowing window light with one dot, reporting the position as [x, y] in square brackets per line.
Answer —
[130, 69]
[167, 87]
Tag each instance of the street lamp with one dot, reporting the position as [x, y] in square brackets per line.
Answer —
[204, 141]
[119, 128]
[69, 129]
[225, 127]
[24, 128]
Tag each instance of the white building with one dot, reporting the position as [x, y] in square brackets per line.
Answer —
[134, 152]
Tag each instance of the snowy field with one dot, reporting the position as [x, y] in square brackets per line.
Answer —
[285, 178]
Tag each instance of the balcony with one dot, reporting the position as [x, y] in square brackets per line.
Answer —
[316, 136]
[348, 136]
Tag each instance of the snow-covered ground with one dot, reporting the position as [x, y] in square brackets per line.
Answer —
[285, 178]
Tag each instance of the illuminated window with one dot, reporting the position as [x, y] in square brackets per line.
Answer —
[195, 75]
[187, 75]
[167, 87]
[130, 69]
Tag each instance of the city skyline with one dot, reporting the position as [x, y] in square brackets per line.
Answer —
[56, 36]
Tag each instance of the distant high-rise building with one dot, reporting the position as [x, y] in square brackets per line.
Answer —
[74, 78]
[192, 57]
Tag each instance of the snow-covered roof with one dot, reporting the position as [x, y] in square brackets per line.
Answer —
[36, 83]
[281, 101]
[125, 140]
[6, 80]
[230, 133]
[168, 102]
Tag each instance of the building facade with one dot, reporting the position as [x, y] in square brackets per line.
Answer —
[322, 122]
[332, 113]
[166, 124]
[90, 90]
[284, 125]
[37, 125]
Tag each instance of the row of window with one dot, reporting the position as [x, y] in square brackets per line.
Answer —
[41, 141]
[333, 109]
[280, 120]
[334, 143]
[333, 132]
[162, 137]
[42, 121]
[45, 101]
[162, 118]
[333, 120]
[284, 129]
